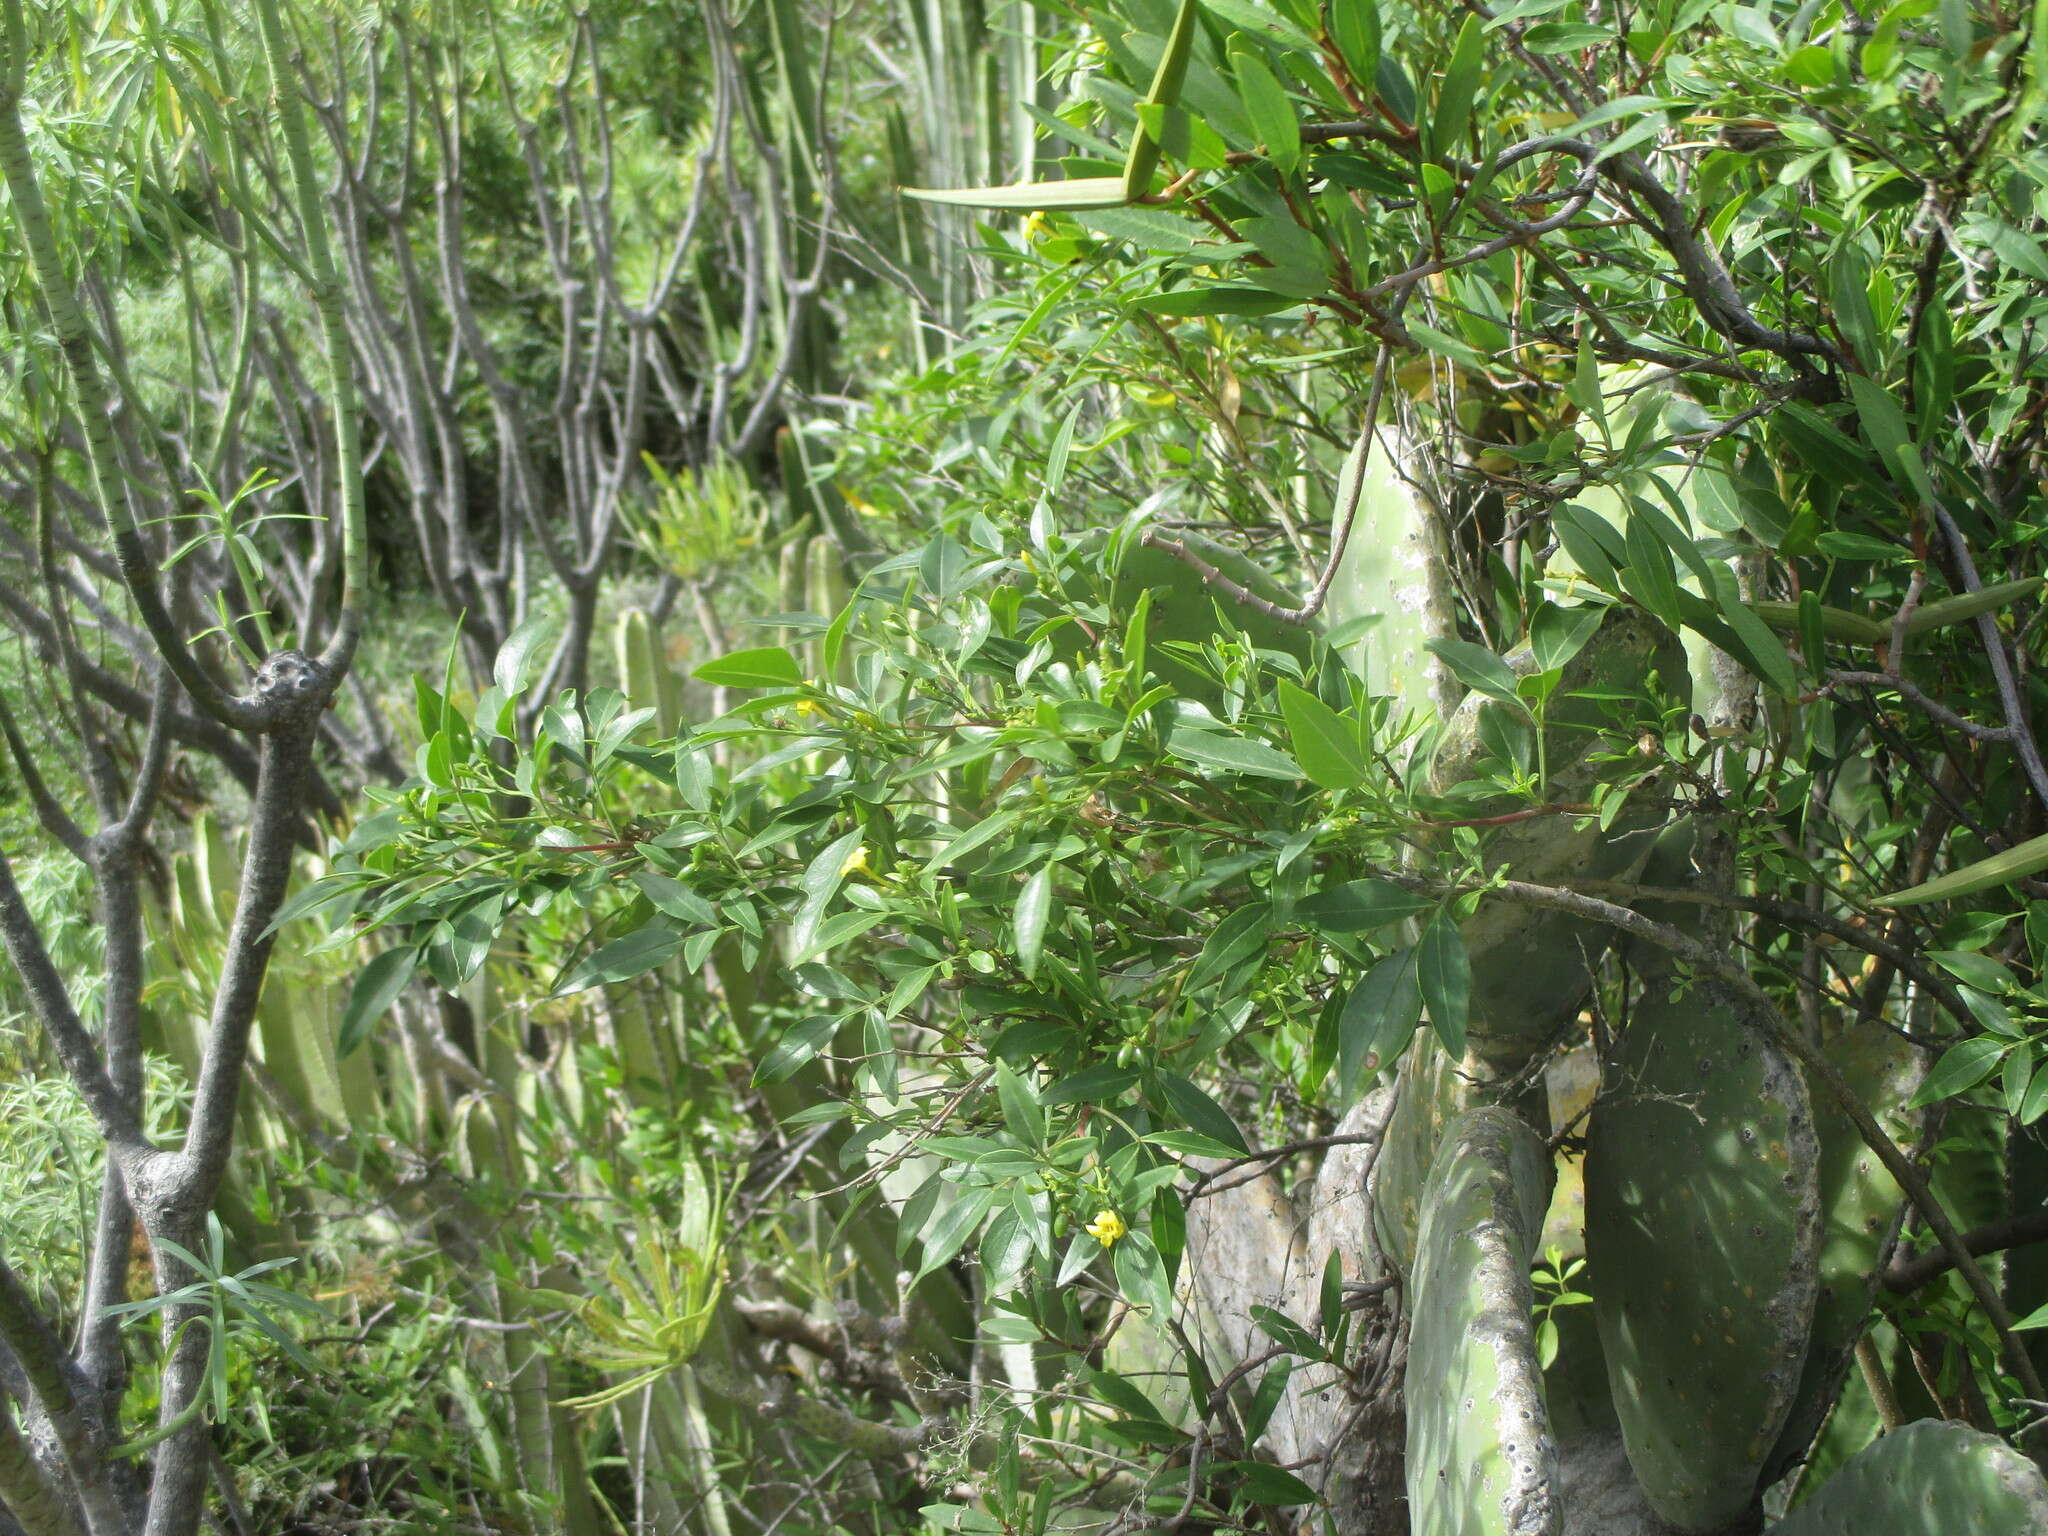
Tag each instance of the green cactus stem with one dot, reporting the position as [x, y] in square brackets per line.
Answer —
[1481, 1460]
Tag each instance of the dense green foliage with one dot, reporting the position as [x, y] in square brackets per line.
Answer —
[1446, 592]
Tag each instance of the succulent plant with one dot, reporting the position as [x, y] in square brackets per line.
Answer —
[1703, 1233]
[1481, 1458]
[1929, 1478]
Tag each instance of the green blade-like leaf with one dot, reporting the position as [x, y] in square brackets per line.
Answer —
[376, 988]
[1266, 104]
[1444, 972]
[1031, 196]
[1324, 742]
[797, 1047]
[2000, 869]
[1357, 906]
[1477, 668]
[1234, 754]
[1355, 29]
[1165, 91]
[623, 958]
[1379, 1016]
[768, 666]
[1201, 1112]
[1034, 904]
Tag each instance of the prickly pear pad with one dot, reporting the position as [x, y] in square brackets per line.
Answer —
[1702, 1240]
[1481, 1460]
[1860, 1204]
[1928, 1479]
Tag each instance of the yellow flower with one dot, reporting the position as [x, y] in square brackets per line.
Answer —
[1107, 1227]
[805, 708]
[856, 862]
[1037, 226]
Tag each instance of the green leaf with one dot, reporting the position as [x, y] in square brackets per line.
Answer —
[1264, 1484]
[1091, 1085]
[1379, 1016]
[1124, 1396]
[1164, 92]
[1272, 1388]
[623, 958]
[953, 1225]
[1201, 1112]
[1268, 107]
[675, 898]
[1031, 196]
[1649, 578]
[1324, 742]
[1019, 1101]
[1355, 29]
[768, 666]
[1557, 634]
[1224, 299]
[2015, 863]
[1564, 37]
[821, 880]
[1448, 346]
[1761, 651]
[1237, 940]
[370, 996]
[1476, 667]
[512, 671]
[1357, 906]
[1191, 1144]
[1974, 970]
[1141, 1276]
[1592, 542]
[1454, 99]
[799, 1045]
[1034, 904]
[1962, 1067]
[1444, 972]
[1233, 754]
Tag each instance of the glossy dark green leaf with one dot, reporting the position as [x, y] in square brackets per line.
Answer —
[1444, 972]
[376, 987]
[1267, 1484]
[623, 958]
[1962, 1067]
[1223, 299]
[1233, 754]
[1201, 1112]
[2015, 863]
[799, 1045]
[1091, 1085]
[1476, 667]
[1357, 906]
[1452, 114]
[1558, 634]
[1355, 29]
[1034, 905]
[1267, 105]
[1325, 743]
[1238, 940]
[952, 1226]
[1379, 1016]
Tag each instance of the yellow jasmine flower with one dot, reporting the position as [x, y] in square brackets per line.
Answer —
[856, 862]
[1107, 1227]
